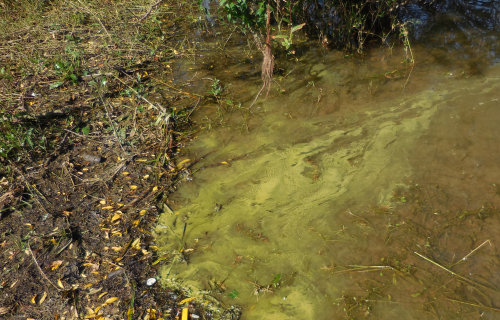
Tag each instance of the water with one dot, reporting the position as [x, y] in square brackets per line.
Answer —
[353, 193]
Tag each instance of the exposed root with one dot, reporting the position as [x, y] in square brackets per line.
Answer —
[268, 60]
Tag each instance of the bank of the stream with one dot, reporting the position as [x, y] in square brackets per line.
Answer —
[91, 120]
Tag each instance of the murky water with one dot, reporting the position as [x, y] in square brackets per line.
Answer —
[347, 196]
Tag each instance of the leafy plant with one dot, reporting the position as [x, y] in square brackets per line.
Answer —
[215, 89]
[16, 139]
[233, 294]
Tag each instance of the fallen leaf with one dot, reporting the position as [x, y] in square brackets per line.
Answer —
[116, 216]
[133, 187]
[158, 260]
[186, 300]
[107, 208]
[181, 164]
[142, 212]
[125, 173]
[42, 299]
[33, 299]
[136, 244]
[155, 188]
[3, 310]
[110, 300]
[96, 310]
[95, 290]
[102, 295]
[55, 264]
[117, 249]
[103, 202]
[116, 233]
[59, 283]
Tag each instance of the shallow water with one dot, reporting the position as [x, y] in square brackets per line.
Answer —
[338, 197]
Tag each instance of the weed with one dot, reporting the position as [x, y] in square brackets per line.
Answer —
[17, 140]
[215, 89]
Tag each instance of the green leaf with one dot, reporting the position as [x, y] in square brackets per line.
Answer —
[56, 84]
[297, 27]
[85, 130]
[233, 294]
[276, 280]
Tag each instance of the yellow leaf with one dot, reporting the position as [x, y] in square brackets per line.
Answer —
[181, 164]
[158, 260]
[88, 285]
[103, 202]
[102, 295]
[97, 309]
[185, 314]
[110, 300]
[135, 223]
[42, 299]
[225, 162]
[116, 233]
[155, 188]
[55, 264]
[142, 212]
[59, 283]
[125, 173]
[186, 300]
[33, 299]
[133, 187]
[116, 249]
[116, 216]
[136, 244]
[107, 208]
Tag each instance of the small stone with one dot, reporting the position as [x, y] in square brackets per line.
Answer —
[150, 282]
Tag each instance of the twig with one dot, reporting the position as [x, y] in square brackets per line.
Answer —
[408, 78]
[192, 95]
[112, 125]
[150, 9]
[471, 253]
[82, 136]
[40, 269]
[453, 273]
[357, 268]
[157, 107]
[474, 305]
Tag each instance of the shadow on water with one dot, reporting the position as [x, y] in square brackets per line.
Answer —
[361, 188]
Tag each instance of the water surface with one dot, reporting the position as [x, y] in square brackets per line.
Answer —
[352, 191]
